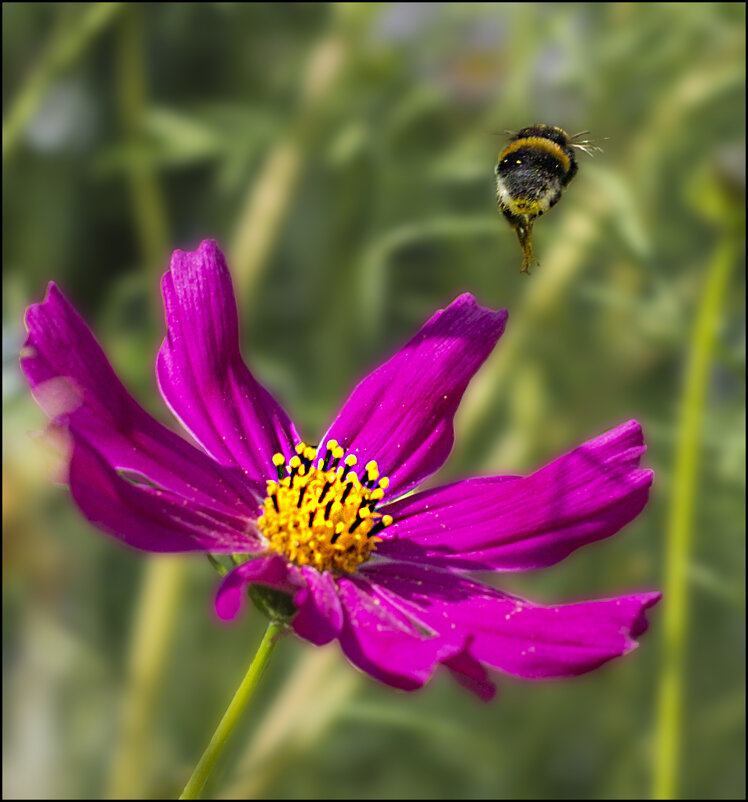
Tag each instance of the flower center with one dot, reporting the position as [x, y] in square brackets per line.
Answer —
[323, 514]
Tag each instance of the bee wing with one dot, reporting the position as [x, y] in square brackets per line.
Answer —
[588, 146]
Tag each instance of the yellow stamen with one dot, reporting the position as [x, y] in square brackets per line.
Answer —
[321, 514]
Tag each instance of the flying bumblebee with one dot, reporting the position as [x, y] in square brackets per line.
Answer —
[531, 173]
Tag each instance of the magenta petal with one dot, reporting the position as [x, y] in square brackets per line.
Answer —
[150, 518]
[538, 642]
[75, 385]
[512, 634]
[380, 640]
[518, 523]
[472, 676]
[401, 415]
[202, 375]
[320, 619]
[271, 570]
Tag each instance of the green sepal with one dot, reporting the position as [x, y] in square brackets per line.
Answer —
[223, 563]
[215, 561]
[277, 605]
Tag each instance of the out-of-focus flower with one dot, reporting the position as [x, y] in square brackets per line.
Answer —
[385, 573]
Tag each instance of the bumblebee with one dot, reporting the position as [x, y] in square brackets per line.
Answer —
[532, 172]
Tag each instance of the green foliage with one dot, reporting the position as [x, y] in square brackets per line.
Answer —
[343, 156]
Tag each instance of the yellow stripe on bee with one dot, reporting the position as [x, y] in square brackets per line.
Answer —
[539, 142]
[525, 206]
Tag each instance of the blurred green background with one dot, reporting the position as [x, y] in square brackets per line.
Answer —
[343, 157]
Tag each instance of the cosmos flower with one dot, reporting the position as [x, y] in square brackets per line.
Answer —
[386, 572]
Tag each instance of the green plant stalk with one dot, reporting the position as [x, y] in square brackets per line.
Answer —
[318, 690]
[64, 47]
[149, 208]
[270, 196]
[163, 577]
[158, 603]
[233, 711]
[680, 525]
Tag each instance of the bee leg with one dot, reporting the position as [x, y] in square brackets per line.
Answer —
[524, 234]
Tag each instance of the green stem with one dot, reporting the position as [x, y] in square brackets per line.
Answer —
[163, 577]
[160, 592]
[148, 204]
[233, 712]
[64, 47]
[270, 195]
[680, 524]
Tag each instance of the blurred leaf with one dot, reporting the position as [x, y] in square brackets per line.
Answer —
[177, 139]
[344, 153]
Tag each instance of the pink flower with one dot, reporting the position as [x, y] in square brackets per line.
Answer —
[385, 573]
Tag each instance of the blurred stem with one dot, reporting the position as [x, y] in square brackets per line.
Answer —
[164, 576]
[147, 199]
[581, 228]
[67, 43]
[159, 597]
[234, 711]
[680, 523]
[269, 197]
